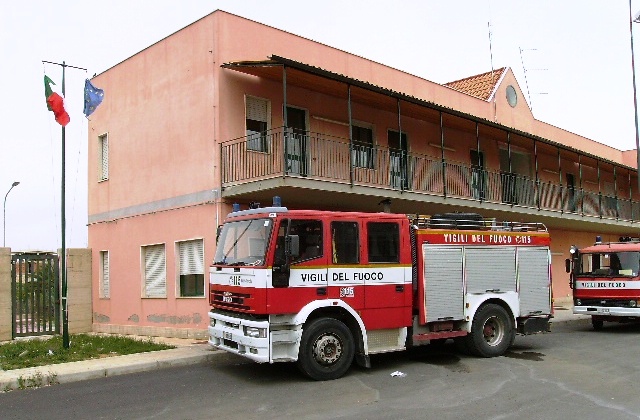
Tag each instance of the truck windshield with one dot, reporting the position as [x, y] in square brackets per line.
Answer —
[243, 242]
[613, 264]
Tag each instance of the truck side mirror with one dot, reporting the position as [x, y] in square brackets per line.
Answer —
[292, 246]
[567, 265]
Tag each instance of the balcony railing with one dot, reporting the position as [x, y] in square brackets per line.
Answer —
[324, 157]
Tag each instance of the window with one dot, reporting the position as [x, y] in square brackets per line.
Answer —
[257, 111]
[191, 268]
[310, 236]
[104, 288]
[103, 172]
[610, 264]
[155, 277]
[383, 242]
[345, 243]
[363, 151]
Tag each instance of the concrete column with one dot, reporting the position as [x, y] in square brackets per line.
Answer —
[79, 302]
[5, 295]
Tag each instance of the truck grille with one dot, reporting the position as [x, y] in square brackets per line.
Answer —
[230, 300]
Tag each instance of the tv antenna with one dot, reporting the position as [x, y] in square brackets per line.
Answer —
[526, 81]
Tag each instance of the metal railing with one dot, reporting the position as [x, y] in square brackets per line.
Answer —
[280, 153]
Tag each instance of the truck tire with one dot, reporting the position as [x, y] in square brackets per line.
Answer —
[326, 349]
[491, 333]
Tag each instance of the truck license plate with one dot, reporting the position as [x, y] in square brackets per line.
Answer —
[226, 335]
[603, 310]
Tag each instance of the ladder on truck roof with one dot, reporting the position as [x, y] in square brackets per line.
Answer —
[472, 221]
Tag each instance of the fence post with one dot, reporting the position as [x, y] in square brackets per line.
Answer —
[80, 304]
[6, 327]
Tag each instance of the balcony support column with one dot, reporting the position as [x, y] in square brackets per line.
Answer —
[560, 182]
[599, 190]
[403, 158]
[351, 162]
[511, 179]
[285, 161]
[535, 158]
[615, 189]
[444, 164]
[581, 189]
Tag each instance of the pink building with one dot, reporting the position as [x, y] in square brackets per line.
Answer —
[228, 110]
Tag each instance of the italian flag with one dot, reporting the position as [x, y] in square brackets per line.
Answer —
[55, 102]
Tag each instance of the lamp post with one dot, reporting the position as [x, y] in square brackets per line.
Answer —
[4, 217]
[633, 20]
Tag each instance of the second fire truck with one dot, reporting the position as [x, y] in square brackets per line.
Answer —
[605, 281]
[325, 288]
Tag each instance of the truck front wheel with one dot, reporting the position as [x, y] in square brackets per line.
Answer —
[492, 332]
[326, 349]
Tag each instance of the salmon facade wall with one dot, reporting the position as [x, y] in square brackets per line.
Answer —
[168, 108]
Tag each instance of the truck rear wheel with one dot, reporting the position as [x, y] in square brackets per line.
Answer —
[491, 333]
[326, 349]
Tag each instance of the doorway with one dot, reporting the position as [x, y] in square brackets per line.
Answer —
[297, 141]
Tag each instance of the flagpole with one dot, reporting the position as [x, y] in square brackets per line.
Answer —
[63, 228]
[63, 257]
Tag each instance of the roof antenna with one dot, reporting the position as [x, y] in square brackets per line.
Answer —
[526, 82]
[495, 111]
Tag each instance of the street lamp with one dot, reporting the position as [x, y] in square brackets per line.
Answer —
[633, 20]
[4, 218]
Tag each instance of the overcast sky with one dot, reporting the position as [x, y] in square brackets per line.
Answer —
[572, 58]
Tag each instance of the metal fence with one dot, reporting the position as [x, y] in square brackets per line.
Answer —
[280, 152]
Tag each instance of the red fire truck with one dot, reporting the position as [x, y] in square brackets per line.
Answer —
[605, 282]
[323, 288]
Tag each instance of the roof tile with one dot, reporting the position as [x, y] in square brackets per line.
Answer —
[481, 85]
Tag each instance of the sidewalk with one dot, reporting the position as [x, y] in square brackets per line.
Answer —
[187, 352]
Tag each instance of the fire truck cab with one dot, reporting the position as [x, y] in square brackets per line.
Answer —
[605, 281]
[324, 288]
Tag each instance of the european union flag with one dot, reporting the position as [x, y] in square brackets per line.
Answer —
[92, 97]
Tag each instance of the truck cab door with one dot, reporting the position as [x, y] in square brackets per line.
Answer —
[299, 277]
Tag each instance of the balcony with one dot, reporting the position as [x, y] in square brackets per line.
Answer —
[322, 157]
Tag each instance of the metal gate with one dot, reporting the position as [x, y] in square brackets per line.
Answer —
[35, 294]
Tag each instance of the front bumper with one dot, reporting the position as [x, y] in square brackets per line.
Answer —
[607, 311]
[228, 333]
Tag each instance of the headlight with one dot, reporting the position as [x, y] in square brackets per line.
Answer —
[578, 302]
[632, 303]
[254, 332]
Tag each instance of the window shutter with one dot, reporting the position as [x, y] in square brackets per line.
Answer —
[191, 257]
[105, 289]
[257, 109]
[155, 281]
[104, 157]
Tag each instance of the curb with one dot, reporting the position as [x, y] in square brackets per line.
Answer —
[36, 377]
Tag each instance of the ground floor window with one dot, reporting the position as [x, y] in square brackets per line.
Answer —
[105, 287]
[155, 277]
[191, 268]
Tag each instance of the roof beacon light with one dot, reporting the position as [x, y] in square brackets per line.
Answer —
[277, 201]
[236, 207]
[598, 239]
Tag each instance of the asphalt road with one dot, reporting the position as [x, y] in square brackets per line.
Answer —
[573, 372]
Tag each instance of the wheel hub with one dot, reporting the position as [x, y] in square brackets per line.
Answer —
[493, 331]
[327, 349]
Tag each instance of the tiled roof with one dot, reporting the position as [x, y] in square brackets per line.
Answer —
[481, 85]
